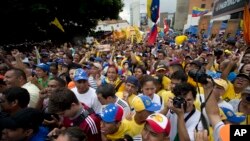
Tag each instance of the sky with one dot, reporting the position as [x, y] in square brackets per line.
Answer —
[165, 6]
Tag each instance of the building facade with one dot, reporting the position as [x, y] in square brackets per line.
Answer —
[181, 14]
[228, 9]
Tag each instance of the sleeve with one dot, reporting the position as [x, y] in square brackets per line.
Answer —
[34, 96]
[97, 106]
[126, 111]
[217, 129]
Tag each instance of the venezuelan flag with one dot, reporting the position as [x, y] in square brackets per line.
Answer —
[153, 7]
[199, 12]
[153, 35]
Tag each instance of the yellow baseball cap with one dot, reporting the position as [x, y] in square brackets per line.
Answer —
[144, 102]
[222, 83]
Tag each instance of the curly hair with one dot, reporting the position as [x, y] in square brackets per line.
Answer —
[183, 89]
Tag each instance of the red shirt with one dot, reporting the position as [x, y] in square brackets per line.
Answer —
[90, 125]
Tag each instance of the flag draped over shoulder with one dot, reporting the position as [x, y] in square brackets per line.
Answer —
[153, 7]
[246, 24]
[57, 24]
[199, 12]
[153, 35]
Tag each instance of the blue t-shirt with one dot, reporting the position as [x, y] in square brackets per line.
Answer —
[41, 135]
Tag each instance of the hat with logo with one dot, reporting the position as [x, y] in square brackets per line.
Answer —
[43, 66]
[112, 113]
[144, 102]
[161, 67]
[80, 74]
[98, 65]
[133, 80]
[28, 118]
[159, 123]
[244, 75]
[222, 83]
[231, 116]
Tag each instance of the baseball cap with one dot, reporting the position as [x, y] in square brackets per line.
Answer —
[231, 116]
[222, 83]
[25, 118]
[246, 90]
[112, 113]
[80, 74]
[98, 65]
[243, 75]
[44, 54]
[159, 123]
[98, 59]
[188, 56]
[161, 67]
[43, 66]
[197, 63]
[144, 102]
[119, 56]
[133, 80]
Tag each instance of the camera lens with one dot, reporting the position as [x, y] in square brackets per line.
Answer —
[248, 98]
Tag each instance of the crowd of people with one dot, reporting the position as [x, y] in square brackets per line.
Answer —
[133, 91]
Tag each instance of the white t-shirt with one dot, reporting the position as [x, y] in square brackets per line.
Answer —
[190, 124]
[89, 98]
[34, 93]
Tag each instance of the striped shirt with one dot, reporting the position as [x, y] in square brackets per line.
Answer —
[124, 105]
[90, 125]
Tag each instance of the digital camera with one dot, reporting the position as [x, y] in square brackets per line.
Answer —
[178, 101]
[199, 76]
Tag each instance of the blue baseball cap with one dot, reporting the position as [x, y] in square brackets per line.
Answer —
[133, 80]
[231, 116]
[112, 113]
[43, 66]
[144, 102]
[98, 59]
[80, 74]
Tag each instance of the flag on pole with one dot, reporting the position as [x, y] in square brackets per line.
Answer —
[199, 12]
[38, 56]
[152, 35]
[153, 7]
[166, 27]
[57, 24]
[246, 24]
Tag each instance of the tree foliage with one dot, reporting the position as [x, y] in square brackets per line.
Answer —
[29, 19]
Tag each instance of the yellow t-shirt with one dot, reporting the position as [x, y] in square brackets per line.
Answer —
[192, 82]
[129, 127]
[166, 82]
[134, 128]
[230, 93]
[130, 98]
[123, 129]
[165, 95]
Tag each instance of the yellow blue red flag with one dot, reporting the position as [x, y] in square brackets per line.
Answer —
[153, 7]
[199, 12]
